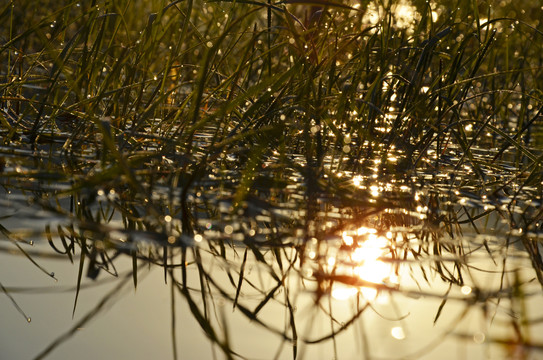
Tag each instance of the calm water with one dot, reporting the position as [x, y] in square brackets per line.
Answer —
[397, 324]
[324, 278]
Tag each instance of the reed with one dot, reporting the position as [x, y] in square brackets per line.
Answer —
[259, 126]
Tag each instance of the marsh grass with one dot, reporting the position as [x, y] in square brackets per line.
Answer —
[256, 127]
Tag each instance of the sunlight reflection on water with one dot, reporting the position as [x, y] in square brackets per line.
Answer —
[365, 262]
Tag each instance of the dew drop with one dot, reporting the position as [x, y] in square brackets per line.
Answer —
[466, 290]
[28, 319]
[479, 338]
[398, 333]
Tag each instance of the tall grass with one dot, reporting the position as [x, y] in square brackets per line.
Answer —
[243, 123]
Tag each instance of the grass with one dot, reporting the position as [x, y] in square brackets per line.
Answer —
[261, 125]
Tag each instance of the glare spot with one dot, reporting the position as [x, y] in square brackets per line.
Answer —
[397, 333]
[374, 271]
[167, 218]
[348, 240]
[405, 14]
[466, 290]
[364, 230]
[344, 293]
[228, 229]
[198, 238]
[369, 293]
[357, 180]
[394, 279]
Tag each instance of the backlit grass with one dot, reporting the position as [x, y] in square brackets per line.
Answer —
[172, 131]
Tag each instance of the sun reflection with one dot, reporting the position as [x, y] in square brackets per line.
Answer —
[368, 293]
[357, 180]
[343, 292]
[404, 13]
[366, 260]
[348, 240]
[374, 271]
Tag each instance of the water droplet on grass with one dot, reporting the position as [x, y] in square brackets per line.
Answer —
[398, 333]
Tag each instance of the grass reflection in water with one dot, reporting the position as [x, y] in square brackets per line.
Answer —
[316, 178]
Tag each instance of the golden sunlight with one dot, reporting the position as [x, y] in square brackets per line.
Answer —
[405, 15]
[365, 261]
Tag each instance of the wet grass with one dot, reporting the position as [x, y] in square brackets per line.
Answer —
[175, 131]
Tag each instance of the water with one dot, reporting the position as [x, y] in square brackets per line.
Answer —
[417, 264]
[136, 323]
